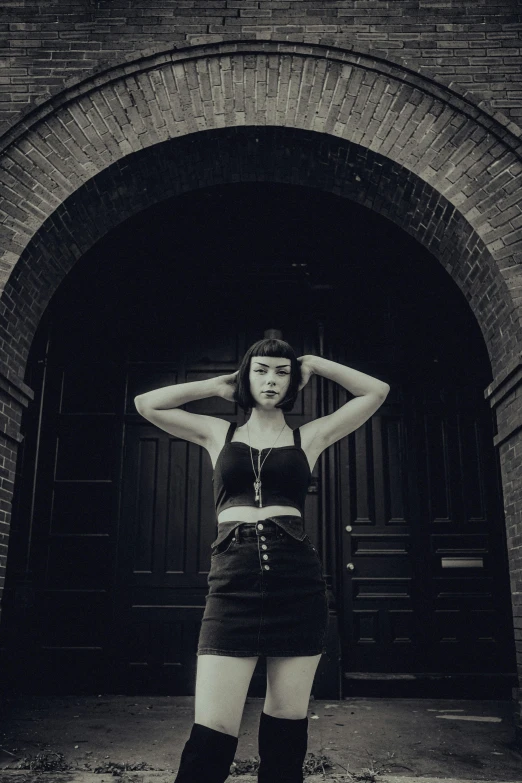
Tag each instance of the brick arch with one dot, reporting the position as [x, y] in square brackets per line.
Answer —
[249, 154]
[321, 45]
[436, 137]
[403, 146]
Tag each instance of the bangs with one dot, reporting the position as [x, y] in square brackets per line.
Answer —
[273, 347]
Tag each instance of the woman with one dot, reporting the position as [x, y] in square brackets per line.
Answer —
[267, 594]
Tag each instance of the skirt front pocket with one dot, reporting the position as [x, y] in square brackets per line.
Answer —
[224, 546]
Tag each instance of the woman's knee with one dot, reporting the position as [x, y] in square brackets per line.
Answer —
[222, 684]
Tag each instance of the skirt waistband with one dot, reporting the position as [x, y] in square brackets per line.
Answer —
[253, 528]
[291, 524]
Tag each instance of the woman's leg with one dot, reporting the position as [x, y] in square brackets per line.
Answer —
[221, 689]
[283, 725]
[289, 684]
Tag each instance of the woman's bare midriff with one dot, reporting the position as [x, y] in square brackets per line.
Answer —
[252, 514]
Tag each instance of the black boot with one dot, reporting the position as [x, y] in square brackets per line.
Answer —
[207, 756]
[282, 749]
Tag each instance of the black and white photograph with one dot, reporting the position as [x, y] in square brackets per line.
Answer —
[261, 391]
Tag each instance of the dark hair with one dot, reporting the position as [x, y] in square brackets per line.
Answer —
[268, 347]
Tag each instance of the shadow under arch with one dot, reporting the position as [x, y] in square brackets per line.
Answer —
[148, 236]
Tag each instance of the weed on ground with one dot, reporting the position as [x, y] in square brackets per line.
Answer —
[315, 764]
[53, 761]
[44, 761]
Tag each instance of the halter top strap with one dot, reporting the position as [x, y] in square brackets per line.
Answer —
[230, 431]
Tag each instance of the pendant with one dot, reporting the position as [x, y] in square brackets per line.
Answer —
[257, 487]
[259, 479]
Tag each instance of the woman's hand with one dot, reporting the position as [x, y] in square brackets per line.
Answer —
[226, 386]
[306, 370]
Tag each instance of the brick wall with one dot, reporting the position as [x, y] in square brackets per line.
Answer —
[472, 45]
[504, 396]
[14, 398]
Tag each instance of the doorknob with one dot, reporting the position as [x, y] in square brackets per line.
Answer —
[350, 566]
[348, 528]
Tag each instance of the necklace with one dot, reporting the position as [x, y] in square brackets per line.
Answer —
[257, 482]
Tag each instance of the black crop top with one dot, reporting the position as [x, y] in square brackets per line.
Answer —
[285, 475]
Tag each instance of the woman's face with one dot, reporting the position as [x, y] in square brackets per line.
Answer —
[269, 374]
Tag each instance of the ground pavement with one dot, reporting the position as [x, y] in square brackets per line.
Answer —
[139, 739]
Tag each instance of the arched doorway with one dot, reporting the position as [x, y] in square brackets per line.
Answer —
[121, 515]
[354, 125]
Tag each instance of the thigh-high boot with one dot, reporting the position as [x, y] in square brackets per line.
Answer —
[207, 756]
[282, 749]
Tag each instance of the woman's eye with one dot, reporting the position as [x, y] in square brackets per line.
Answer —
[284, 374]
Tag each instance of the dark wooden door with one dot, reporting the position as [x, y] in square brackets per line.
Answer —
[74, 503]
[424, 569]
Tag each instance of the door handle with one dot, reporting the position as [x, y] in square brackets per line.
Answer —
[350, 566]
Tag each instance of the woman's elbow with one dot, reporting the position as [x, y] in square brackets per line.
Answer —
[140, 402]
[383, 390]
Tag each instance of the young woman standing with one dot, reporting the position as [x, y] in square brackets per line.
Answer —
[267, 593]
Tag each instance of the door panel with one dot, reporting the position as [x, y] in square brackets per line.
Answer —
[166, 534]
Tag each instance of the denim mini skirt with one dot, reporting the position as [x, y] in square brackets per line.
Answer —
[267, 595]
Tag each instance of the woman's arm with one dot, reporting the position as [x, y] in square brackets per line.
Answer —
[161, 407]
[370, 394]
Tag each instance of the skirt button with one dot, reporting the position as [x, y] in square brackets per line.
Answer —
[260, 526]
[265, 557]
[267, 568]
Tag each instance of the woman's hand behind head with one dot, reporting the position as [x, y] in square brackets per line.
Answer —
[306, 370]
[226, 386]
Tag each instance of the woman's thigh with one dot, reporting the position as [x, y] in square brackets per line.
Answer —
[222, 683]
[289, 684]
